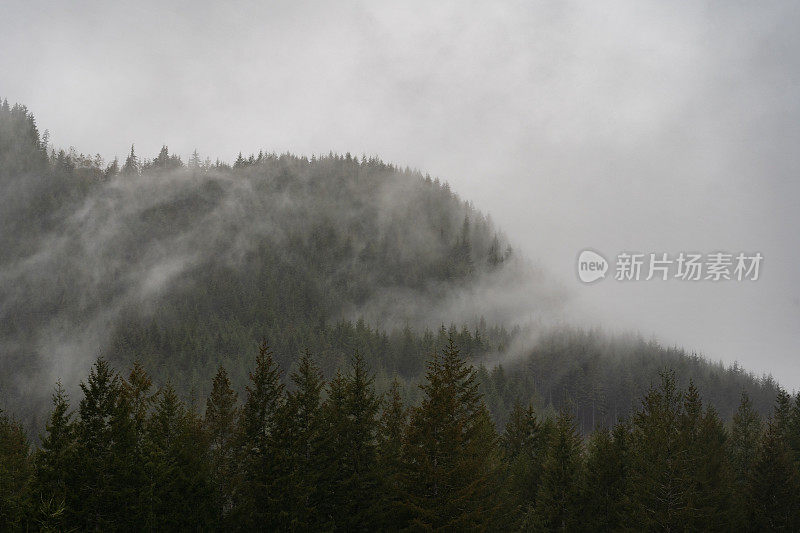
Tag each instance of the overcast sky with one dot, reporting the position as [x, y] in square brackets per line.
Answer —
[616, 126]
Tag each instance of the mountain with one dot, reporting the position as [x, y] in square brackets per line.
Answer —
[184, 267]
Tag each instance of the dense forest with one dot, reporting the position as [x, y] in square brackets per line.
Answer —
[335, 455]
[402, 389]
[185, 266]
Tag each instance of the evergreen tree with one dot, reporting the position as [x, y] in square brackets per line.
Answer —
[162, 160]
[450, 454]
[707, 478]
[126, 462]
[137, 392]
[351, 425]
[112, 169]
[165, 161]
[305, 435]
[130, 483]
[605, 489]
[194, 162]
[743, 449]
[54, 467]
[558, 502]
[658, 460]
[131, 165]
[391, 429]
[180, 490]
[221, 416]
[774, 487]
[257, 499]
[793, 430]
[15, 474]
[95, 432]
[524, 444]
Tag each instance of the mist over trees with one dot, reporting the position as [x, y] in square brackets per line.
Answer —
[185, 266]
[396, 386]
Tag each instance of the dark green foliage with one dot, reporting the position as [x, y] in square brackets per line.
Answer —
[774, 486]
[658, 461]
[220, 422]
[305, 441]
[708, 475]
[54, 464]
[743, 448]
[450, 454]
[680, 470]
[351, 476]
[257, 498]
[745, 435]
[793, 430]
[101, 421]
[178, 471]
[137, 458]
[15, 473]
[391, 430]
[524, 445]
[606, 495]
[559, 502]
[601, 378]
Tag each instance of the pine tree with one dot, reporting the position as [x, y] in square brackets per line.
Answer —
[162, 160]
[391, 429]
[131, 165]
[95, 461]
[15, 474]
[793, 430]
[743, 449]
[658, 460]
[774, 487]
[162, 432]
[220, 426]
[180, 491]
[129, 454]
[165, 161]
[136, 390]
[112, 169]
[54, 461]
[524, 444]
[558, 502]
[351, 425]
[707, 475]
[305, 436]
[257, 499]
[605, 488]
[194, 162]
[746, 432]
[450, 454]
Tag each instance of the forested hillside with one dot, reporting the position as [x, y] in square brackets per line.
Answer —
[185, 266]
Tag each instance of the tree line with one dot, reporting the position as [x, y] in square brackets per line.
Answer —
[333, 455]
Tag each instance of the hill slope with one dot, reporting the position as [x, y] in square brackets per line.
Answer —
[185, 267]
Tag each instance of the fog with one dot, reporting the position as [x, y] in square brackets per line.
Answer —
[638, 126]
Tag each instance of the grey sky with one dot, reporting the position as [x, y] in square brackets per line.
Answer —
[646, 126]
